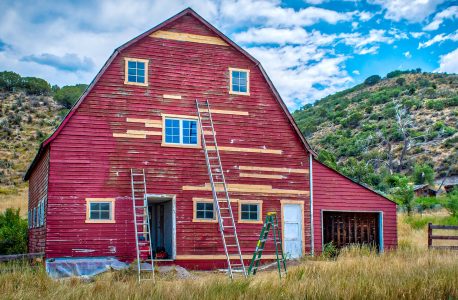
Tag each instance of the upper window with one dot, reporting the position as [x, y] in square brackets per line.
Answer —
[136, 71]
[100, 211]
[250, 211]
[240, 81]
[179, 131]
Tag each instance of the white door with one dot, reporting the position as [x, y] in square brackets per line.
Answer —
[292, 230]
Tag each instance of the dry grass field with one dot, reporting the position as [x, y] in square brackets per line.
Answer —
[411, 272]
[15, 200]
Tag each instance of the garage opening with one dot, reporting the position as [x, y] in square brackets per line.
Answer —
[347, 228]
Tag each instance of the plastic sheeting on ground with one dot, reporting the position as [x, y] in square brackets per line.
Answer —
[82, 267]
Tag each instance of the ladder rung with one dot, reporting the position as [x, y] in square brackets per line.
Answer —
[141, 206]
[137, 174]
[144, 250]
[139, 182]
[233, 245]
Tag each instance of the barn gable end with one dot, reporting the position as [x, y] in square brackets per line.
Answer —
[117, 126]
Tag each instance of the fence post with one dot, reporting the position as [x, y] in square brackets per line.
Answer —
[430, 234]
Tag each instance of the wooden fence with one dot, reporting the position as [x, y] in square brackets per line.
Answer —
[431, 236]
[4, 258]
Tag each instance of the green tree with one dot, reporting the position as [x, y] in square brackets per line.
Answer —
[13, 232]
[9, 81]
[69, 94]
[328, 159]
[423, 173]
[452, 202]
[35, 86]
[403, 193]
[371, 80]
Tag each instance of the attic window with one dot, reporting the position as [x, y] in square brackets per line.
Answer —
[136, 71]
[239, 81]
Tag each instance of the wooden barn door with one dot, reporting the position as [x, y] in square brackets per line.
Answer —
[346, 228]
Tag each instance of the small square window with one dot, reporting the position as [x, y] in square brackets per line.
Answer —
[180, 132]
[136, 71]
[250, 211]
[204, 211]
[239, 81]
[100, 210]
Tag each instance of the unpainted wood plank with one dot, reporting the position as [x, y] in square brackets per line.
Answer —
[188, 37]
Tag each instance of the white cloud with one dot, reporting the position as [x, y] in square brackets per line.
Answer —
[410, 10]
[354, 25]
[365, 15]
[439, 39]
[448, 62]
[417, 35]
[303, 74]
[281, 36]
[407, 54]
[367, 44]
[315, 2]
[356, 72]
[448, 13]
[270, 13]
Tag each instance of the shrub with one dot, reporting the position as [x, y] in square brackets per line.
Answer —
[435, 104]
[451, 102]
[401, 81]
[68, 95]
[452, 202]
[371, 80]
[423, 173]
[403, 193]
[13, 233]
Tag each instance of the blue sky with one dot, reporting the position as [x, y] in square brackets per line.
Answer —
[310, 48]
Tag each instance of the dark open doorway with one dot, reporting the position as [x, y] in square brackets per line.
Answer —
[162, 220]
[347, 228]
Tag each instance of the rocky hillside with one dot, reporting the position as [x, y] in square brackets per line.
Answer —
[387, 125]
[30, 109]
[25, 120]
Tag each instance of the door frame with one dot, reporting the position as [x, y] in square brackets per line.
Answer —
[174, 217]
[297, 202]
[380, 224]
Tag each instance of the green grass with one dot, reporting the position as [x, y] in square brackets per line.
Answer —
[411, 272]
[421, 221]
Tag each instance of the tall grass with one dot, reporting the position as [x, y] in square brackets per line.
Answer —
[412, 272]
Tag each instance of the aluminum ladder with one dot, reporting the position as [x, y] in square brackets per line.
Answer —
[271, 223]
[141, 222]
[220, 193]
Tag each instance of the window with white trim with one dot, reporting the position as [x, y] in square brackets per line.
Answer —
[180, 131]
[239, 81]
[34, 218]
[136, 71]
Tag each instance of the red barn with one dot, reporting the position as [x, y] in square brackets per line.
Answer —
[140, 113]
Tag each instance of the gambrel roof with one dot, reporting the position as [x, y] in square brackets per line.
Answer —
[187, 11]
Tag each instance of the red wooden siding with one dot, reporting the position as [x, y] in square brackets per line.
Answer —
[332, 191]
[88, 162]
[38, 188]
[92, 154]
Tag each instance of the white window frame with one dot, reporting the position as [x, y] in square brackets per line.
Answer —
[247, 93]
[34, 218]
[180, 118]
[110, 201]
[126, 71]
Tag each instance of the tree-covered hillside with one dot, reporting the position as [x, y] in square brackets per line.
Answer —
[405, 124]
[30, 109]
